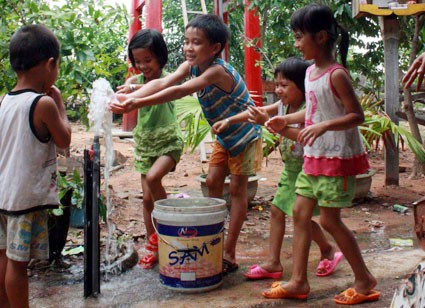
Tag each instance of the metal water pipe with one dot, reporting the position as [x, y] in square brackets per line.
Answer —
[91, 221]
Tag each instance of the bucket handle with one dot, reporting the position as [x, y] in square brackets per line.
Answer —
[171, 245]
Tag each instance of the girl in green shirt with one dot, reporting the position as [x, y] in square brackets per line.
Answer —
[158, 138]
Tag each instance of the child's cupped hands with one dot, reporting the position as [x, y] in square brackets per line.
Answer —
[122, 104]
[257, 115]
[276, 124]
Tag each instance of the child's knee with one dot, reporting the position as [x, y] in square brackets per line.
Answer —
[153, 179]
[213, 184]
[277, 213]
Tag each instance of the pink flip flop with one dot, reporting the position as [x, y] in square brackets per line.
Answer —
[257, 272]
[326, 267]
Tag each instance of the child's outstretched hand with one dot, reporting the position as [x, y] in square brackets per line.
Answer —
[123, 104]
[257, 115]
[276, 124]
[123, 89]
[416, 70]
[220, 126]
[127, 88]
[309, 134]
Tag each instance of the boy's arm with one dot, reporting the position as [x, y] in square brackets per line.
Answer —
[50, 118]
[256, 115]
[167, 92]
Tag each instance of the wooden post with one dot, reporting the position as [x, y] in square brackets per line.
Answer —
[390, 27]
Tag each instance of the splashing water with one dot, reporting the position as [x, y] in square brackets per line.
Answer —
[101, 121]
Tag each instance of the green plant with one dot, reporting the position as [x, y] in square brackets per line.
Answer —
[378, 126]
[192, 120]
[70, 184]
[74, 184]
[93, 44]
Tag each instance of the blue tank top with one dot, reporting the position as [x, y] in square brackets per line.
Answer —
[218, 104]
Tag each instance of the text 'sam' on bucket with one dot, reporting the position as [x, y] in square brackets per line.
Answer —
[190, 246]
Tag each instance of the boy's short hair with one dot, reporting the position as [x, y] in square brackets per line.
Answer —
[214, 28]
[31, 45]
[150, 39]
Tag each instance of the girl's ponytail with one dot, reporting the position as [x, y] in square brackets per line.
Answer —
[343, 44]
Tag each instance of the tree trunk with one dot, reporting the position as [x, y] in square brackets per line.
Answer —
[418, 168]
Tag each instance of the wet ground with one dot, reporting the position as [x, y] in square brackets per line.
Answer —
[372, 220]
[141, 288]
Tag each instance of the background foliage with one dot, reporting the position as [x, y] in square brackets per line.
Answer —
[94, 39]
[93, 43]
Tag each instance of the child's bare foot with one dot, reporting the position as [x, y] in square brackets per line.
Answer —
[267, 270]
[328, 254]
[288, 290]
[365, 286]
[272, 267]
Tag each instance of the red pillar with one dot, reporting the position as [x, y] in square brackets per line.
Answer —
[129, 120]
[154, 14]
[153, 21]
[220, 9]
[252, 57]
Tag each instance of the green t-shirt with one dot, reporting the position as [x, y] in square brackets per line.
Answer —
[157, 131]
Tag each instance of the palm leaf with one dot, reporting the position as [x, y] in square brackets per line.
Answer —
[192, 120]
[378, 125]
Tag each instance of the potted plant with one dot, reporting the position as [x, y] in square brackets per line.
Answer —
[74, 185]
[71, 191]
[58, 226]
[377, 127]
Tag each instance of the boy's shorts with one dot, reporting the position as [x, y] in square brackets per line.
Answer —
[25, 237]
[144, 163]
[329, 191]
[246, 163]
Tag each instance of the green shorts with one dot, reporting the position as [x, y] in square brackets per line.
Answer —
[329, 191]
[144, 163]
[25, 237]
[285, 194]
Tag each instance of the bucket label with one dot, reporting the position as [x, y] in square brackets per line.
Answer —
[190, 256]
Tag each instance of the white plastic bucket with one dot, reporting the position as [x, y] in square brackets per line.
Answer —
[190, 246]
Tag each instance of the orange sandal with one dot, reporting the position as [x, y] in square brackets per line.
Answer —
[276, 291]
[351, 297]
[150, 253]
